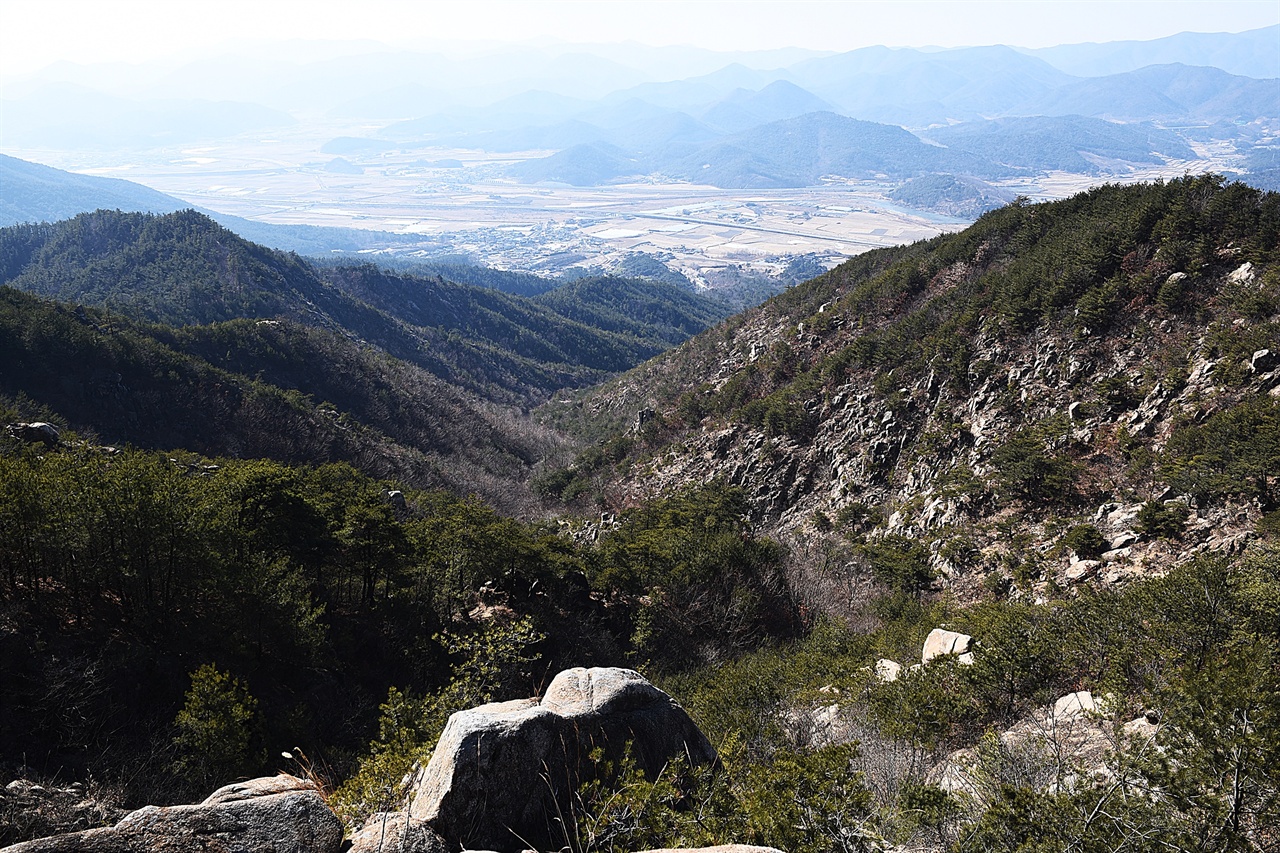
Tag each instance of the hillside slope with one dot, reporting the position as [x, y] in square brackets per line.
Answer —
[30, 192]
[1107, 360]
[257, 389]
[182, 268]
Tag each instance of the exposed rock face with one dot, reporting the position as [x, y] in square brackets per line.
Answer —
[921, 447]
[282, 815]
[35, 433]
[396, 832]
[503, 772]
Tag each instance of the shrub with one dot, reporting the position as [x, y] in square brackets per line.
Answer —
[900, 563]
[1024, 470]
[1164, 521]
[218, 730]
[491, 662]
[1086, 541]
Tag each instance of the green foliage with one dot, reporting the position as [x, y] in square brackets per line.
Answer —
[781, 414]
[741, 702]
[1162, 520]
[1085, 541]
[712, 587]
[1025, 470]
[899, 562]
[856, 518]
[617, 809]
[183, 269]
[929, 808]
[491, 662]
[929, 707]
[810, 801]
[653, 311]
[1019, 658]
[1220, 764]
[1232, 454]
[218, 735]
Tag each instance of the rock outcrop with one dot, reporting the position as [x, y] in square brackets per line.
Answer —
[396, 832]
[282, 814]
[38, 432]
[1058, 747]
[29, 809]
[922, 451]
[503, 773]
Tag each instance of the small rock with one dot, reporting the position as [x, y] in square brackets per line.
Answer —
[396, 832]
[719, 848]
[1123, 540]
[1242, 274]
[943, 642]
[1082, 569]
[887, 670]
[1074, 705]
[37, 432]
[1123, 516]
[1263, 361]
[1140, 728]
[264, 787]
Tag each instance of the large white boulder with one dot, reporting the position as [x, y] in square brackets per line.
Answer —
[503, 774]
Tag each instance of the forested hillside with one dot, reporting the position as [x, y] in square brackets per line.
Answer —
[1056, 432]
[257, 389]
[184, 269]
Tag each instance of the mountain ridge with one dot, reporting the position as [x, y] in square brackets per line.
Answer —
[183, 268]
[898, 394]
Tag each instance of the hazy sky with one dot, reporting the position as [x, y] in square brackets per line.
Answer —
[34, 33]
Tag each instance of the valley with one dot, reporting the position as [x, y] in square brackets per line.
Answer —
[470, 208]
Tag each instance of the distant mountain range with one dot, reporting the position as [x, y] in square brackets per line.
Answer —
[802, 151]
[1001, 112]
[1255, 53]
[585, 117]
[1066, 143]
[81, 117]
[31, 192]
